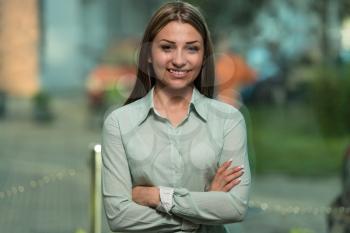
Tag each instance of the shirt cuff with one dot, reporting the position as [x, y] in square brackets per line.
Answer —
[166, 199]
[188, 226]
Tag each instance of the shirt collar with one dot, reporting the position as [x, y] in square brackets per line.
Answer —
[197, 103]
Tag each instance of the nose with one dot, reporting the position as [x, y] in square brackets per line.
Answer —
[179, 59]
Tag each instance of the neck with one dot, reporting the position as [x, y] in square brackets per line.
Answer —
[167, 98]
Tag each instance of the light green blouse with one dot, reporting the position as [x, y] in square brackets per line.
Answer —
[140, 147]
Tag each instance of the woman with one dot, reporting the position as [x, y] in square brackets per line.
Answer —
[175, 160]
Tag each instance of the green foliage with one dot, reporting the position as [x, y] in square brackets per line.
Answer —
[3, 98]
[42, 107]
[41, 99]
[330, 95]
[113, 96]
[80, 230]
[301, 230]
[288, 140]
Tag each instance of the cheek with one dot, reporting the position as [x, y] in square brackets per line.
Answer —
[160, 60]
[197, 63]
[197, 60]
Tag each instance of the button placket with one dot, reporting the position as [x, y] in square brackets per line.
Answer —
[179, 157]
[173, 154]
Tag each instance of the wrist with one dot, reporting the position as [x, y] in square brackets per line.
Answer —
[155, 200]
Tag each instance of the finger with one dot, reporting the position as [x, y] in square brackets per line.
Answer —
[233, 176]
[227, 176]
[230, 171]
[224, 166]
[232, 184]
[238, 168]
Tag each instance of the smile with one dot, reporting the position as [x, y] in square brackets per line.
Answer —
[178, 73]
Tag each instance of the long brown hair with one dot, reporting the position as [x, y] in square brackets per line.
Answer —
[185, 13]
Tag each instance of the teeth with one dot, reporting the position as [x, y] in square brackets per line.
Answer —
[177, 72]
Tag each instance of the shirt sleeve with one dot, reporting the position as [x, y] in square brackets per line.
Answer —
[122, 213]
[211, 208]
[166, 199]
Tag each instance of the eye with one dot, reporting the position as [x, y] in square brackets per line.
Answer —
[166, 48]
[193, 49]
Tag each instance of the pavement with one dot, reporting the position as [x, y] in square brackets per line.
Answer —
[45, 179]
[289, 204]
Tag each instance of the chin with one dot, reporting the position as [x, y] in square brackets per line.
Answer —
[178, 85]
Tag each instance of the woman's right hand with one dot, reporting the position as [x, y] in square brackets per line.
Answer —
[226, 177]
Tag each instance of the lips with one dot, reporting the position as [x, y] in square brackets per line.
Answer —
[178, 73]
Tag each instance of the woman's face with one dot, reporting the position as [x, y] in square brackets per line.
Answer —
[177, 55]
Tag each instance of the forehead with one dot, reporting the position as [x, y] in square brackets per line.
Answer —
[179, 32]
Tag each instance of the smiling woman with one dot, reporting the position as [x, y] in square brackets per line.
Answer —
[174, 159]
[177, 55]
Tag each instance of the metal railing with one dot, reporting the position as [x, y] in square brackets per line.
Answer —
[96, 195]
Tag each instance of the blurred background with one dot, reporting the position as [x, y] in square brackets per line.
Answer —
[284, 63]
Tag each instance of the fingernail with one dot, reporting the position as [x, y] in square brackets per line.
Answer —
[230, 160]
[242, 166]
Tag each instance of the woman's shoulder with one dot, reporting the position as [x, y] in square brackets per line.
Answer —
[219, 108]
[222, 116]
[129, 112]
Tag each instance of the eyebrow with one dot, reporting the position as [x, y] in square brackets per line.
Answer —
[172, 42]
